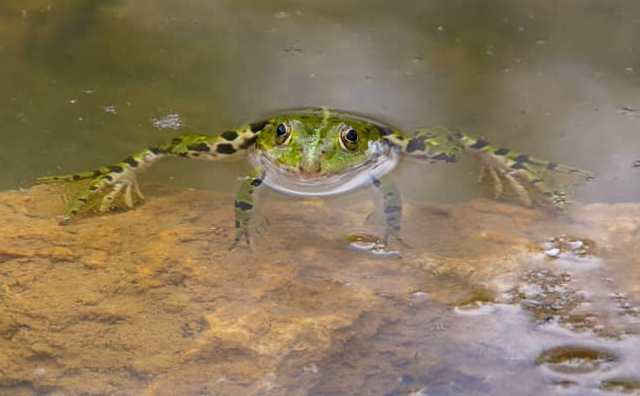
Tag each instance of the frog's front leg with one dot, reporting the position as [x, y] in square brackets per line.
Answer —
[391, 208]
[244, 209]
[391, 213]
[115, 185]
[530, 179]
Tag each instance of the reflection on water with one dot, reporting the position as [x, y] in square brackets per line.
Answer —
[491, 298]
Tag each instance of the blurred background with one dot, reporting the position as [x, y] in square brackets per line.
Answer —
[85, 83]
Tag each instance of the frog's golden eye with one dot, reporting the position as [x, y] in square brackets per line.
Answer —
[283, 133]
[349, 138]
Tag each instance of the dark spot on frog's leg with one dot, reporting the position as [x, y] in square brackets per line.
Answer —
[108, 177]
[416, 144]
[248, 143]
[256, 182]
[392, 209]
[384, 131]
[157, 150]
[131, 161]
[501, 151]
[199, 147]
[116, 168]
[225, 148]
[229, 135]
[444, 157]
[480, 143]
[520, 162]
[242, 205]
[258, 126]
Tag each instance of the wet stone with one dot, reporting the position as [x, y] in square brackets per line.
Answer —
[568, 246]
[477, 298]
[577, 359]
[372, 244]
[628, 386]
[546, 294]
[176, 311]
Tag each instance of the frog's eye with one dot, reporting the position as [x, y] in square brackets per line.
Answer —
[349, 139]
[283, 133]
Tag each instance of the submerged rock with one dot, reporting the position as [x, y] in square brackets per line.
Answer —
[151, 301]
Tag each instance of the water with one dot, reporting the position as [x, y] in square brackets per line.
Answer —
[491, 298]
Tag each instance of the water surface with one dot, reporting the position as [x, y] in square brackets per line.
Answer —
[491, 298]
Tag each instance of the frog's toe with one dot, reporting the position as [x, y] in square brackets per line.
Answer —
[496, 182]
[519, 189]
[136, 189]
[108, 200]
[128, 196]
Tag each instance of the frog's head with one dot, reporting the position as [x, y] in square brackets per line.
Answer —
[321, 152]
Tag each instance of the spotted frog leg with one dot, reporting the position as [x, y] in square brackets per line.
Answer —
[244, 209]
[531, 180]
[114, 186]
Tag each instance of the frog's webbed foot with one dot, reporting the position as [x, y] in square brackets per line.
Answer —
[97, 191]
[530, 180]
[124, 189]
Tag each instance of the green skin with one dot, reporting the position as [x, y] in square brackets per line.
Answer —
[315, 152]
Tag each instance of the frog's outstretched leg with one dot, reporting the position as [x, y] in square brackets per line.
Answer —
[244, 207]
[531, 179]
[106, 185]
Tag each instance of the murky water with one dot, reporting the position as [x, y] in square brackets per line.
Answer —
[491, 298]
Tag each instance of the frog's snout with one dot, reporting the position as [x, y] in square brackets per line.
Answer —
[309, 168]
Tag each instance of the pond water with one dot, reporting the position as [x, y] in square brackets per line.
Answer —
[489, 298]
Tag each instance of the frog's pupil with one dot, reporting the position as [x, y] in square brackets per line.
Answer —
[281, 130]
[352, 135]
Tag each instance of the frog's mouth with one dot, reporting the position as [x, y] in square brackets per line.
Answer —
[380, 162]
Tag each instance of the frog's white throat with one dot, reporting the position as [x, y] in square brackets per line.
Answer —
[381, 161]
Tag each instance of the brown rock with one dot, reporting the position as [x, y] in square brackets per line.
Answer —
[151, 301]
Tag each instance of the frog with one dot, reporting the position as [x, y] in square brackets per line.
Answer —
[319, 152]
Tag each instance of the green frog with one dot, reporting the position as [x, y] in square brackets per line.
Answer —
[320, 152]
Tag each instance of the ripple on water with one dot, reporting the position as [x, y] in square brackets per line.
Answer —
[576, 359]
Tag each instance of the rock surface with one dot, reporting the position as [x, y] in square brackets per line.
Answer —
[152, 302]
